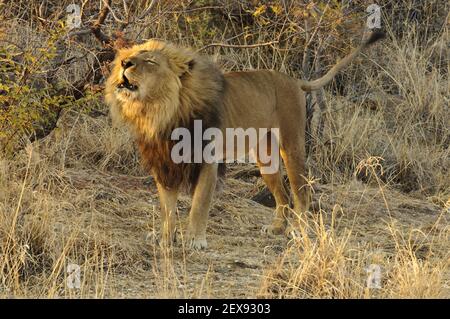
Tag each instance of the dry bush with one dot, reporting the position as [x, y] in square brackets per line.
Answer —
[400, 114]
[328, 261]
[66, 200]
[46, 224]
[80, 140]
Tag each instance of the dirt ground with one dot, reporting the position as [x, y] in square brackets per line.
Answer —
[238, 253]
[86, 201]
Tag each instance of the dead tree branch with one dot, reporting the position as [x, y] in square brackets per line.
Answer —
[238, 46]
[96, 26]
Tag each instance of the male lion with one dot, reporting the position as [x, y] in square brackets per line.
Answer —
[157, 87]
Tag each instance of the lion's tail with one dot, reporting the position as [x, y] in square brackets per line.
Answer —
[309, 86]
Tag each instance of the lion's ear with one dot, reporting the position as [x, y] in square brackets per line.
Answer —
[191, 64]
[184, 67]
[183, 64]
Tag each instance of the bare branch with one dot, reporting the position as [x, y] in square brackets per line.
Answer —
[147, 11]
[107, 4]
[196, 9]
[238, 46]
[96, 26]
[73, 34]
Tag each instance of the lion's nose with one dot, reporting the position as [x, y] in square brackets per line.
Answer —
[127, 63]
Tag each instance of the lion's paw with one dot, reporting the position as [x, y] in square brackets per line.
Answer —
[156, 239]
[272, 230]
[198, 243]
[292, 233]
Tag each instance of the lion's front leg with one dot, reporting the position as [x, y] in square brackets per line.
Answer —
[201, 202]
[168, 202]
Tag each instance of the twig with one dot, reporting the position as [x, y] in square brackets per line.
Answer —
[196, 9]
[148, 9]
[238, 46]
[96, 26]
[107, 4]
[73, 34]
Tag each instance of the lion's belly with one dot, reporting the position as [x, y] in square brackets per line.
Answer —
[241, 148]
[249, 113]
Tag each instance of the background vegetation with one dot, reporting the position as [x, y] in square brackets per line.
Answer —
[72, 189]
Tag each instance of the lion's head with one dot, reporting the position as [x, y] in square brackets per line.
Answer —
[143, 72]
[156, 85]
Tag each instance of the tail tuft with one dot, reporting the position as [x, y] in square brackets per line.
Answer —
[309, 86]
[374, 37]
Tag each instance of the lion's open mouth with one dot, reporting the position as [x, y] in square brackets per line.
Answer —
[127, 85]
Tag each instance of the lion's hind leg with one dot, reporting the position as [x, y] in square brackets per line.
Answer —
[274, 182]
[275, 185]
[293, 154]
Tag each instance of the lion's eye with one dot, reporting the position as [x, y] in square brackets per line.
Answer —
[150, 61]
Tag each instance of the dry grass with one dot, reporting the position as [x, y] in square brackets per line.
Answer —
[71, 199]
[329, 260]
[382, 192]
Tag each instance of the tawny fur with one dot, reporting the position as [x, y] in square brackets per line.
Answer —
[169, 87]
[190, 88]
[176, 98]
